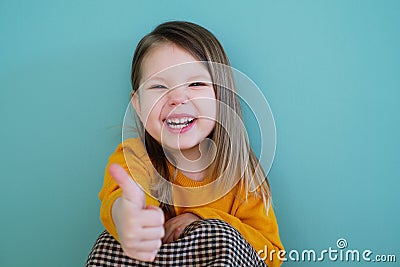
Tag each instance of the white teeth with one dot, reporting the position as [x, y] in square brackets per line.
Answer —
[177, 123]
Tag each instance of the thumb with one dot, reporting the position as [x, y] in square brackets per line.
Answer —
[131, 191]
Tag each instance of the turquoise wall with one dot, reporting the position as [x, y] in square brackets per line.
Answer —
[329, 69]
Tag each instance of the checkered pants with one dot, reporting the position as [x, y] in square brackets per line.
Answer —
[208, 242]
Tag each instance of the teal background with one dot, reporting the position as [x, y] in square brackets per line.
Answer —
[329, 69]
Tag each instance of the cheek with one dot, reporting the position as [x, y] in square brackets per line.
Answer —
[208, 106]
[213, 105]
[150, 107]
[209, 125]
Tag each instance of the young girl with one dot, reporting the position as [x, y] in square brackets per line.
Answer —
[188, 191]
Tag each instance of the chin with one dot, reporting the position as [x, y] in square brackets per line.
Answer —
[182, 145]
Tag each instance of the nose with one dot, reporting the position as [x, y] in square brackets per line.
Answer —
[177, 96]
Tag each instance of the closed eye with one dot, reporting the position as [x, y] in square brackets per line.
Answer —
[195, 84]
[157, 86]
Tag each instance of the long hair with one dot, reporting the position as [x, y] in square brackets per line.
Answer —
[234, 161]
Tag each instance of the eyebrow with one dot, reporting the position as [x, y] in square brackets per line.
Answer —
[200, 77]
[155, 79]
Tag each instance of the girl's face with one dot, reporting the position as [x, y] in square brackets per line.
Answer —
[176, 101]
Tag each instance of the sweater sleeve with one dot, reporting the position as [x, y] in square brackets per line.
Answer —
[252, 222]
[111, 191]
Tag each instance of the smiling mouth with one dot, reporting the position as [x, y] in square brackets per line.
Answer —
[179, 123]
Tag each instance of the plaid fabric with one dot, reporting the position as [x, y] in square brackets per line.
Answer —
[208, 242]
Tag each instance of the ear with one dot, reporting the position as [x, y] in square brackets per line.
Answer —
[136, 103]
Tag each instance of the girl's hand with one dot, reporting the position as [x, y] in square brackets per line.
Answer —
[175, 226]
[139, 228]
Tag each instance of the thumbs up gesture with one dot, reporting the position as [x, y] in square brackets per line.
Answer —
[139, 228]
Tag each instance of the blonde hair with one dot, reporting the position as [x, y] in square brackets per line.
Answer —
[233, 158]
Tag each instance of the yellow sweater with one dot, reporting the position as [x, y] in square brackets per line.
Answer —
[248, 217]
